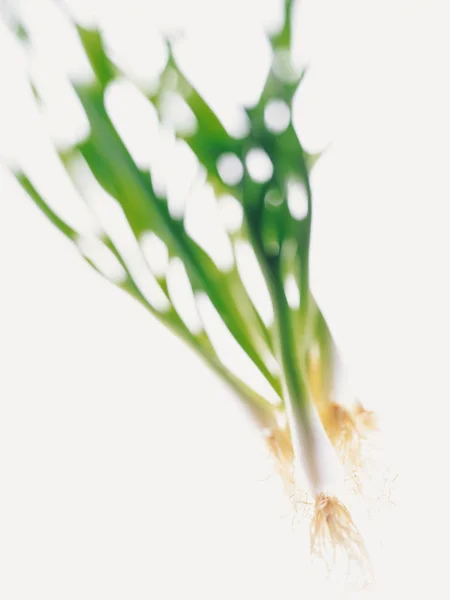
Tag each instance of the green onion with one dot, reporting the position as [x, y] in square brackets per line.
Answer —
[295, 354]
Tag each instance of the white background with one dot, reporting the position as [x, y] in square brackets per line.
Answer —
[126, 470]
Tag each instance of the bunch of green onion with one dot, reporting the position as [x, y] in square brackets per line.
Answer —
[295, 352]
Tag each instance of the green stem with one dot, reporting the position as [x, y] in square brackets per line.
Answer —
[296, 395]
[296, 389]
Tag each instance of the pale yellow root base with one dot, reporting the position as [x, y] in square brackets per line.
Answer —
[344, 427]
[365, 420]
[280, 446]
[333, 533]
[342, 432]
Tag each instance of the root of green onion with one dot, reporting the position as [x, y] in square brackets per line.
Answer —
[333, 532]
